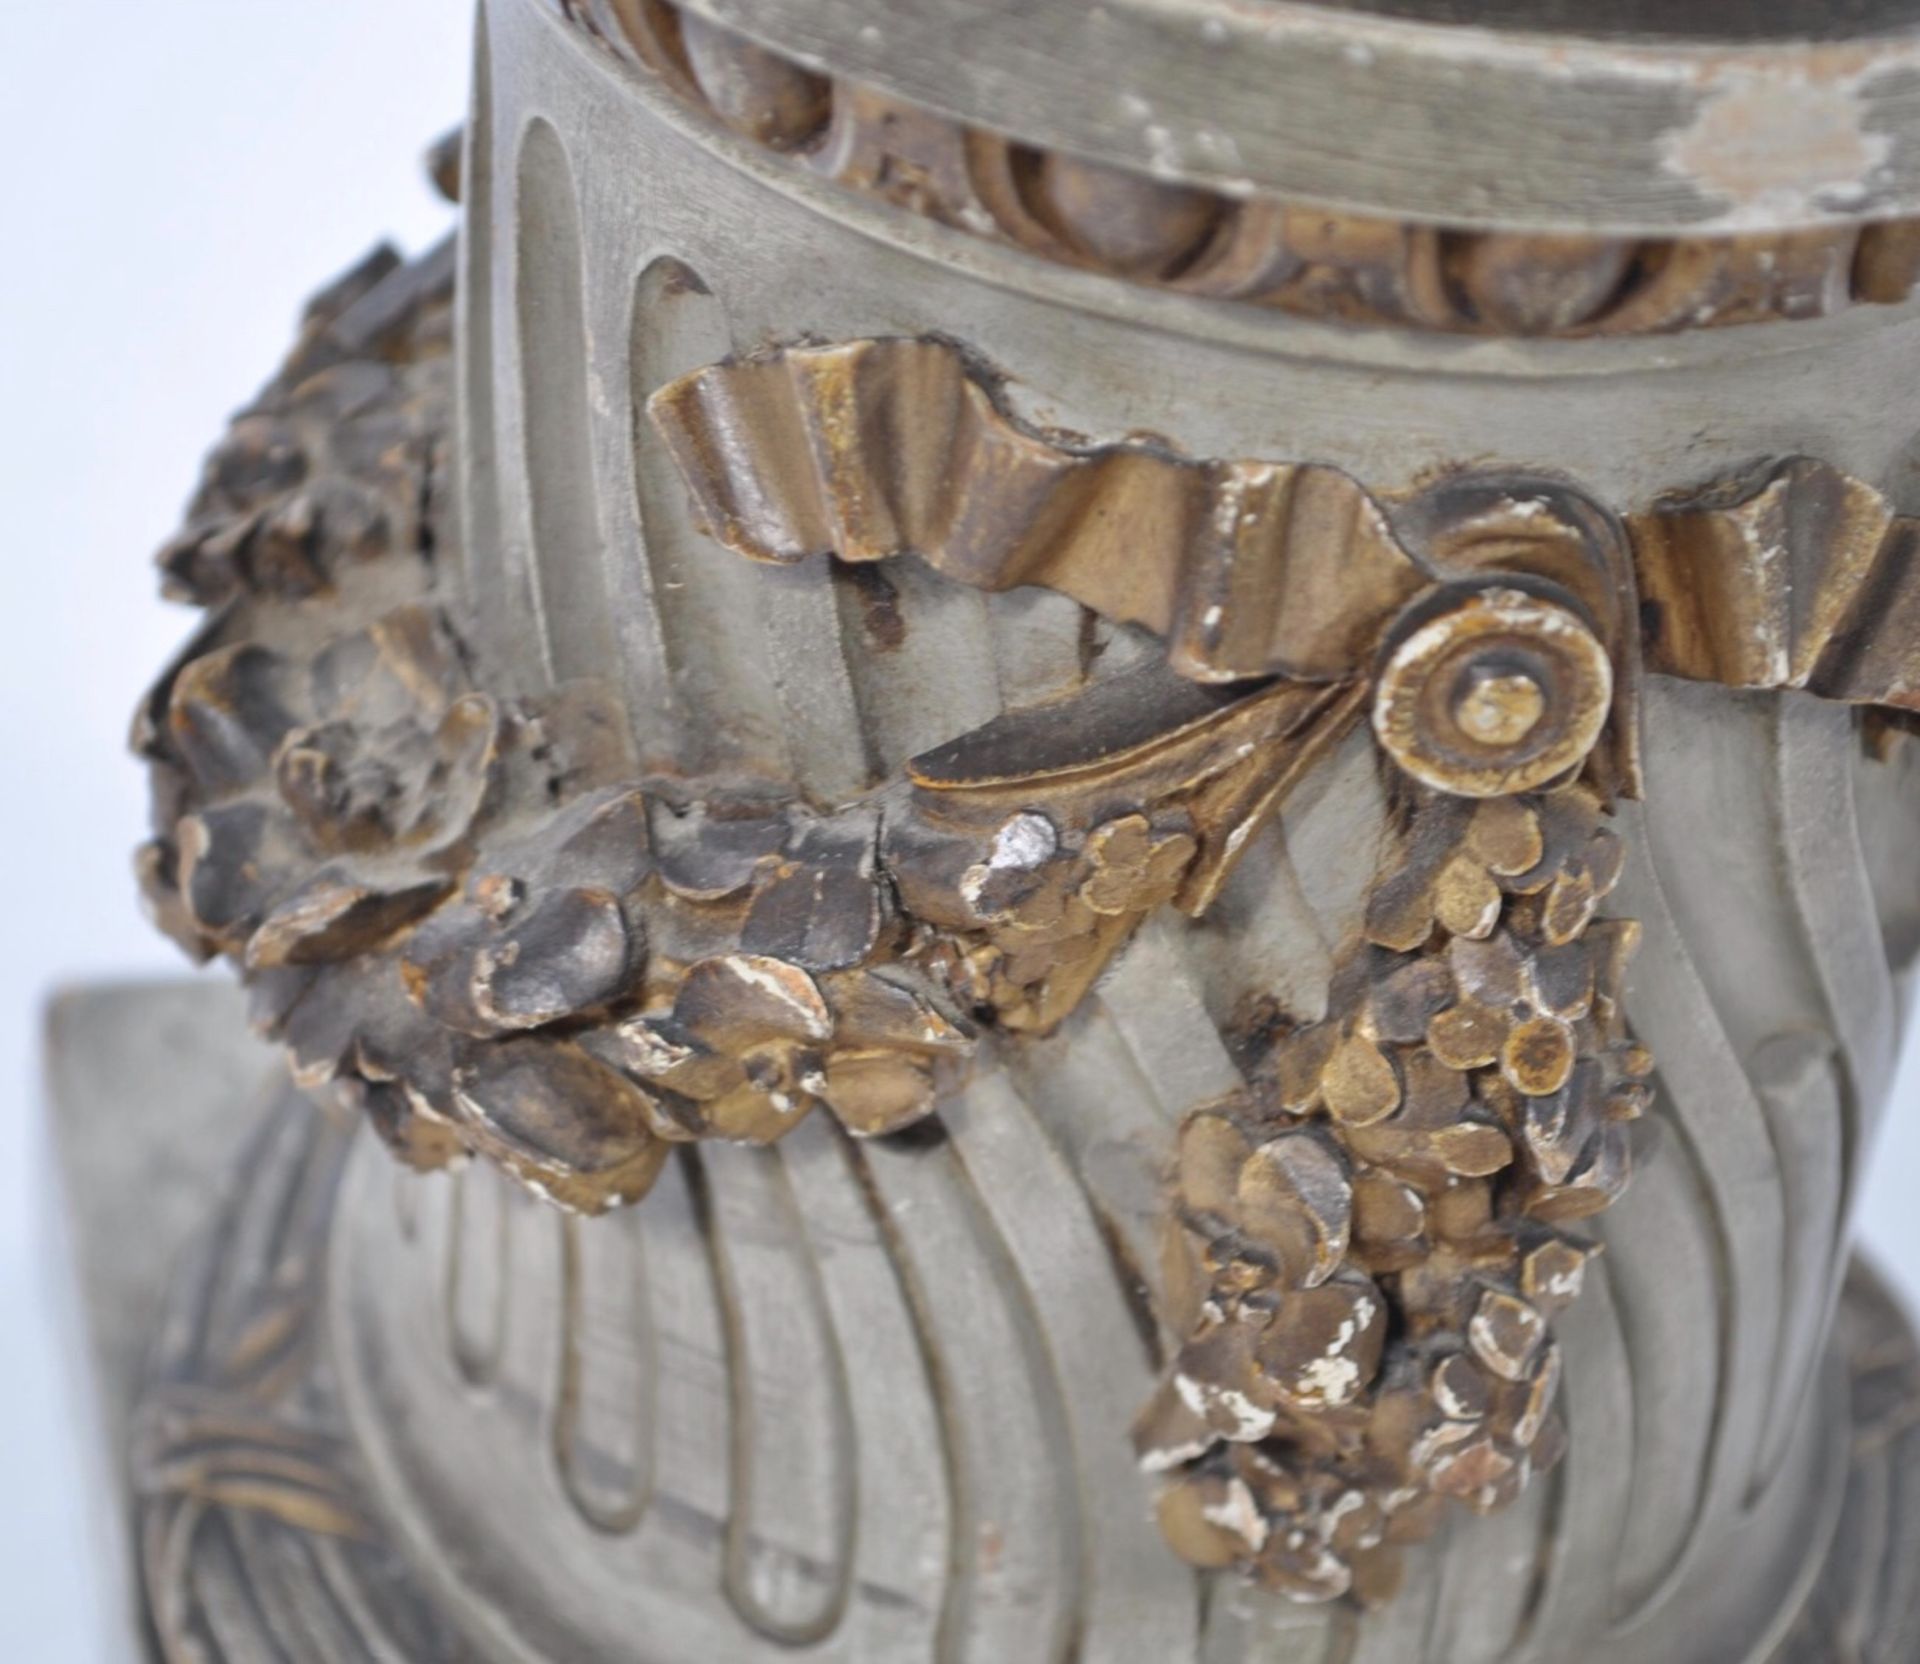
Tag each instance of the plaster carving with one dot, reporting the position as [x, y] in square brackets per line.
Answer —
[471, 919]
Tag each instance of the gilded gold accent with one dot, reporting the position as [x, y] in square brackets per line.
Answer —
[1372, 1240]
[1791, 576]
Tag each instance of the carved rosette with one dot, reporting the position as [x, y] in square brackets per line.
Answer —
[478, 921]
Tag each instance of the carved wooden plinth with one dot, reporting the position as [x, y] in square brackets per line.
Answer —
[267, 1528]
[1103, 909]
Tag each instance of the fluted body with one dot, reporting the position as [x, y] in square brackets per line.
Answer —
[874, 1400]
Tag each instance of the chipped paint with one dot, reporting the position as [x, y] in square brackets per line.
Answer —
[1780, 146]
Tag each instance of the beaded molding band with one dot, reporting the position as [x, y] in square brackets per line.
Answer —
[1308, 261]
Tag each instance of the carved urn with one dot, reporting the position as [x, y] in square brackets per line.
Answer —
[1085, 835]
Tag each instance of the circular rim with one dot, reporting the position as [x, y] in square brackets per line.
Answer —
[1281, 336]
[1695, 21]
[1435, 123]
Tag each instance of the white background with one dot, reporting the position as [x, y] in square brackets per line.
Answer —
[175, 176]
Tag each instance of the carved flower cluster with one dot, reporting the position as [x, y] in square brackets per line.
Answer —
[1047, 915]
[464, 916]
[477, 968]
[329, 470]
[1369, 1242]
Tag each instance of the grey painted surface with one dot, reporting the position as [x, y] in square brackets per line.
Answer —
[787, 1469]
[151, 1087]
[100, 457]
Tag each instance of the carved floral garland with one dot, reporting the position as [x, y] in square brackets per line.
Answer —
[470, 918]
